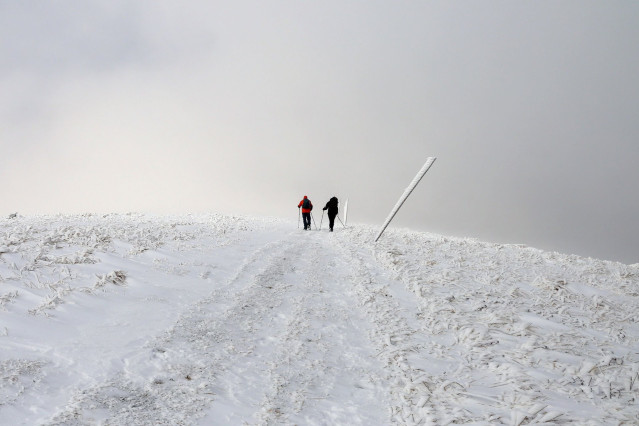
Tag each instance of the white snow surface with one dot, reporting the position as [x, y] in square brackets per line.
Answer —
[208, 319]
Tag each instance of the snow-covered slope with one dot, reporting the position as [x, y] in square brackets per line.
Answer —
[132, 319]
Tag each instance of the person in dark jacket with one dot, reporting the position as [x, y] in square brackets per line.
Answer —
[331, 206]
[306, 206]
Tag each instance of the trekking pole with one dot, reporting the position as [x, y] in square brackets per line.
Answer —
[299, 215]
[313, 217]
[340, 220]
[322, 220]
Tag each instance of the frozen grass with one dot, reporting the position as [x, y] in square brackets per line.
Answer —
[201, 319]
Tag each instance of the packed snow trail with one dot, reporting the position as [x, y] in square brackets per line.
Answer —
[281, 342]
[129, 319]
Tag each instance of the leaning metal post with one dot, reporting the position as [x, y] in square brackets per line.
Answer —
[407, 191]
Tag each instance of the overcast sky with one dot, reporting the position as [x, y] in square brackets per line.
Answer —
[531, 109]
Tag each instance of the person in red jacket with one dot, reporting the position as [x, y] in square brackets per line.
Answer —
[306, 206]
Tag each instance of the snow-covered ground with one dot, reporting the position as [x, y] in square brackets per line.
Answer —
[133, 319]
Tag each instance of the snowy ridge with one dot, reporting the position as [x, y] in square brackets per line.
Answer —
[522, 331]
[133, 319]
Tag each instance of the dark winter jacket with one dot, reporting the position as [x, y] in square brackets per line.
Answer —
[331, 206]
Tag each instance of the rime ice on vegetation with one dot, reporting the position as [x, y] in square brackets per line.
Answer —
[203, 319]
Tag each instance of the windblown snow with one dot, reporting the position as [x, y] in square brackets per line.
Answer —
[210, 319]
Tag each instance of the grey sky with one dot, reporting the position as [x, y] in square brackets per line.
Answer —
[244, 107]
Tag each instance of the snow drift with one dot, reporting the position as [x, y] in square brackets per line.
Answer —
[133, 319]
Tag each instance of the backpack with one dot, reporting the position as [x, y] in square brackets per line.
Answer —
[307, 204]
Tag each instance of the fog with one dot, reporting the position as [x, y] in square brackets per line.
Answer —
[243, 108]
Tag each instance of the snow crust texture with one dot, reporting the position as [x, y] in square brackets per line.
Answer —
[210, 319]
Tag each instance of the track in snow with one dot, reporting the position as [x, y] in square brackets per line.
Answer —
[226, 320]
[283, 341]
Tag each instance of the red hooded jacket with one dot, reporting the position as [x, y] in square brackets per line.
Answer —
[303, 209]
